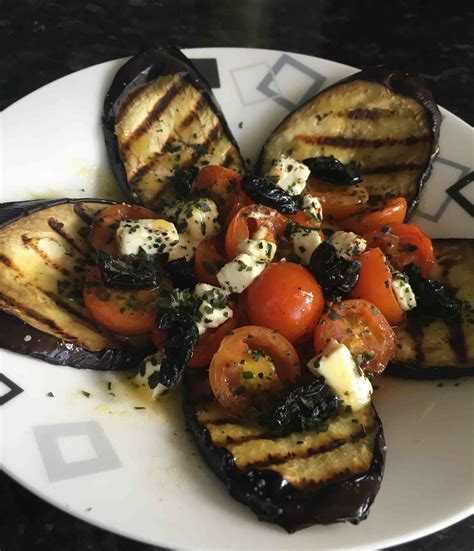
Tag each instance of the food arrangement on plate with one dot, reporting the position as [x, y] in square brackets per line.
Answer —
[275, 296]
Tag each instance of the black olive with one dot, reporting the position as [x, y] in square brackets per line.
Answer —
[305, 408]
[182, 274]
[333, 171]
[265, 192]
[130, 272]
[182, 180]
[432, 297]
[335, 274]
[182, 336]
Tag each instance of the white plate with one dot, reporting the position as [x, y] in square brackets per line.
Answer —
[136, 472]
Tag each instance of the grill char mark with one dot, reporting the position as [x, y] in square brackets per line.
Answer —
[34, 247]
[57, 227]
[343, 141]
[193, 114]
[386, 169]
[82, 214]
[373, 114]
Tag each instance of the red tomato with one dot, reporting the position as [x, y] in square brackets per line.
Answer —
[338, 201]
[209, 259]
[285, 297]
[248, 371]
[362, 328]
[403, 244]
[393, 211]
[102, 236]
[375, 285]
[250, 219]
[127, 313]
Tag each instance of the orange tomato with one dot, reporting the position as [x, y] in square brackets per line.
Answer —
[338, 201]
[375, 285]
[127, 313]
[209, 259]
[360, 326]
[249, 370]
[287, 298]
[102, 236]
[393, 211]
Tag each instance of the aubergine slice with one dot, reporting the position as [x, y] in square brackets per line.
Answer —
[384, 120]
[430, 348]
[294, 481]
[44, 255]
[161, 117]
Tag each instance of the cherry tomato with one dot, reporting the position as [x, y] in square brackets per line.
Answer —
[102, 236]
[247, 221]
[338, 201]
[403, 244]
[127, 313]
[375, 285]
[223, 186]
[285, 297]
[302, 218]
[249, 370]
[393, 211]
[360, 326]
[209, 259]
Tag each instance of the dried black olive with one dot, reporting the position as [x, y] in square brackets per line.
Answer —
[181, 337]
[182, 180]
[432, 297]
[130, 272]
[265, 192]
[182, 274]
[333, 171]
[306, 407]
[335, 274]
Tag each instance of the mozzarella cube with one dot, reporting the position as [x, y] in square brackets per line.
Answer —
[348, 245]
[186, 247]
[403, 292]
[258, 248]
[238, 274]
[196, 217]
[149, 236]
[214, 309]
[313, 209]
[304, 242]
[289, 174]
[342, 374]
[148, 375]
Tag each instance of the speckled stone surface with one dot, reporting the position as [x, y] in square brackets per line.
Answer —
[43, 40]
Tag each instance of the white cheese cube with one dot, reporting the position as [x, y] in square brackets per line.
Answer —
[186, 247]
[403, 292]
[148, 373]
[289, 174]
[149, 236]
[258, 248]
[214, 309]
[238, 274]
[313, 209]
[196, 217]
[342, 374]
[348, 245]
[304, 242]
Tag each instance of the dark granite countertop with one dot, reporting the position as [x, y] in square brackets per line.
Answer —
[46, 39]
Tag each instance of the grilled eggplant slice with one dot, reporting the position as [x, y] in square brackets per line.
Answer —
[383, 120]
[296, 480]
[160, 117]
[44, 254]
[430, 348]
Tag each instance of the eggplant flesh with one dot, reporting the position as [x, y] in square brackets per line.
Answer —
[384, 121]
[296, 480]
[430, 348]
[44, 256]
[161, 117]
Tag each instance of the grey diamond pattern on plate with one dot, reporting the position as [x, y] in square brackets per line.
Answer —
[71, 450]
[462, 171]
[14, 391]
[456, 193]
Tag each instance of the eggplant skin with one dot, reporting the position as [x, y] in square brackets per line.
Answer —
[227, 445]
[431, 348]
[160, 117]
[43, 244]
[384, 120]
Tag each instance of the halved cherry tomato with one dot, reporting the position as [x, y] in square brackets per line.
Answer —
[127, 313]
[250, 368]
[223, 186]
[403, 244]
[209, 259]
[285, 297]
[375, 285]
[393, 211]
[102, 236]
[250, 219]
[360, 326]
[302, 218]
[338, 201]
